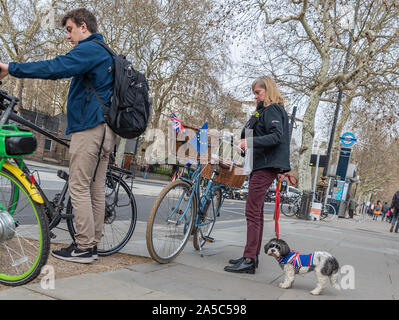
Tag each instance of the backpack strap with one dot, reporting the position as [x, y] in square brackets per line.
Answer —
[99, 153]
[106, 47]
[90, 85]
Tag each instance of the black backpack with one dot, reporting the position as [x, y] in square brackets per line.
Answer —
[129, 112]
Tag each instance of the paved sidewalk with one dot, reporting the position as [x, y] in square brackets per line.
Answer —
[365, 247]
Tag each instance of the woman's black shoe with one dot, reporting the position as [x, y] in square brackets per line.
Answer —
[235, 261]
[246, 265]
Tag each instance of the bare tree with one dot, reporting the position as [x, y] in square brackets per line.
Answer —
[304, 47]
[21, 35]
[170, 41]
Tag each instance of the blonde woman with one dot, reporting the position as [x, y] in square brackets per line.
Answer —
[269, 141]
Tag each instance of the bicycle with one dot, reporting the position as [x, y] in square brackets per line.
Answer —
[328, 212]
[27, 216]
[290, 206]
[181, 210]
[289, 202]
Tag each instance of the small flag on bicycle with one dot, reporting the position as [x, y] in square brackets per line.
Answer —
[200, 141]
[177, 125]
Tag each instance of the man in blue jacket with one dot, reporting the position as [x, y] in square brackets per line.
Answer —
[89, 132]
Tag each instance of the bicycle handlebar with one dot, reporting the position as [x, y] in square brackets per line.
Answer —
[5, 96]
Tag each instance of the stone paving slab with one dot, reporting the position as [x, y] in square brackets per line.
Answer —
[365, 245]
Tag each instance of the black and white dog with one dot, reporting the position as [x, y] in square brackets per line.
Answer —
[292, 262]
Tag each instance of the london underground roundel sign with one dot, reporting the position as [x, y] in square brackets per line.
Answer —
[348, 139]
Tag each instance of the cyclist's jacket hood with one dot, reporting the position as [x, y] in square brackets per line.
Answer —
[87, 58]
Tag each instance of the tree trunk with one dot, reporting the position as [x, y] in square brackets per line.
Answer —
[304, 170]
[156, 118]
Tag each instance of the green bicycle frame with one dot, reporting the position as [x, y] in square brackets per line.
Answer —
[11, 131]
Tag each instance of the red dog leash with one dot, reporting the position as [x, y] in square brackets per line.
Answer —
[277, 211]
[277, 203]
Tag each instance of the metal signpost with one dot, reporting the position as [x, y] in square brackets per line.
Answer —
[348, 139]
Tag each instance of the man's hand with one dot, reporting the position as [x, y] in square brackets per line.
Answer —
[4, 70]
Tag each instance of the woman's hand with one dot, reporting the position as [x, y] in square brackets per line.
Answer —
[280, 177]
[243, 145]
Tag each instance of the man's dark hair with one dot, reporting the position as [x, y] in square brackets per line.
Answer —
[78, 16]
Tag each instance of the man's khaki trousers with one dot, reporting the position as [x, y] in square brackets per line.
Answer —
[88, 196]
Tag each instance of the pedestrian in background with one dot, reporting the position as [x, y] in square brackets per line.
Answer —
[352, 207]
[377, 210]
[394, 214]
[389, 215]
[370, 209]
[384, 211]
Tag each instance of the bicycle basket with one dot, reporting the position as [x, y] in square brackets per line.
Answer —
[234, 178]
[14, 142]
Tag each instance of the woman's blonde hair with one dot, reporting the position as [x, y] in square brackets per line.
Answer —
[273, 95]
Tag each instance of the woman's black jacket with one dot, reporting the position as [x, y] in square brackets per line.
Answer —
[271, 141]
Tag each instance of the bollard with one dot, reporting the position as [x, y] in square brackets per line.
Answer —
[305, 205]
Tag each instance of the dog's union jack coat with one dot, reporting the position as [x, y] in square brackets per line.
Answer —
[298, 260]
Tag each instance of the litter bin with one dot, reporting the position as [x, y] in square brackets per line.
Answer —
[305, 205]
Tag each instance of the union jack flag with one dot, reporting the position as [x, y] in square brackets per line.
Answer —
[298, 260]
[177, 124]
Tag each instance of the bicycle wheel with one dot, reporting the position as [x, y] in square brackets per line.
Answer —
[298, 204]
[206, 222]
[328, 213]
[24, 234]
[171, 221]
[288, 208]
[120, 216]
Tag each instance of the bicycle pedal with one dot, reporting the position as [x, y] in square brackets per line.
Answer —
[209, 239]
[52, 235]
